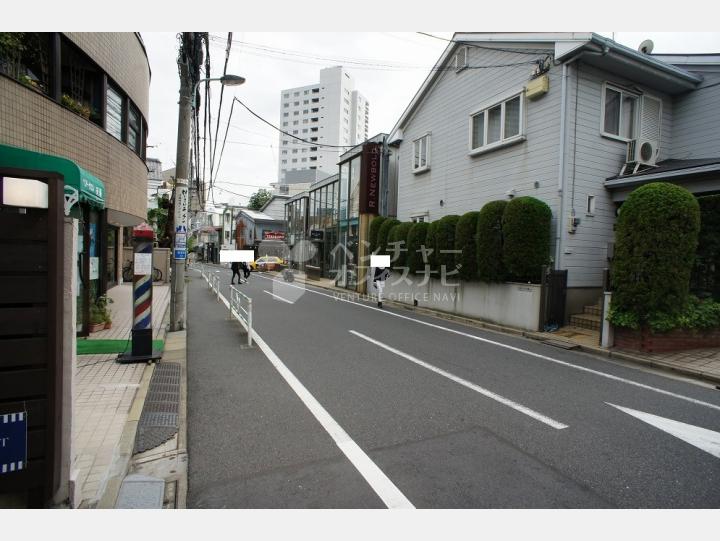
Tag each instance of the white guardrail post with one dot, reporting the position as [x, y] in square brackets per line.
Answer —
[241, 313]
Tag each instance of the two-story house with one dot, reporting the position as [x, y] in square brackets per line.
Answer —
[554, 116]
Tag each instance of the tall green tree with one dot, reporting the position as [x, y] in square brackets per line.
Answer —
[259, 198]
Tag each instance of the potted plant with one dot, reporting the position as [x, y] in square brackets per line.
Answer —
[76, 106]
[102, 304]
[97, 319]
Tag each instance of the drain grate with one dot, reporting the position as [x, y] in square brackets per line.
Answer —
[159, 419]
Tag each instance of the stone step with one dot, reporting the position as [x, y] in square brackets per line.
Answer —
[594, 310]
[586, 321]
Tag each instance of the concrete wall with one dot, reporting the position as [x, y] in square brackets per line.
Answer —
[513, 304]
[69, 358]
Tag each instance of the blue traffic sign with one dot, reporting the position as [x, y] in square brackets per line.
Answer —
[180, 254]
[13, 442]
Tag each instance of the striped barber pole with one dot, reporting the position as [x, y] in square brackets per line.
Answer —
[13, 442]
[142, 293]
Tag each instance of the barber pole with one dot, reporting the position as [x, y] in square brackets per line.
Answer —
[143, 236]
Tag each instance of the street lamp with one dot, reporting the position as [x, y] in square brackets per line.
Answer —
[227, 80]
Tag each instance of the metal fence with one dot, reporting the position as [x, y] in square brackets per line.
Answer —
[241, 309]
[240, 304]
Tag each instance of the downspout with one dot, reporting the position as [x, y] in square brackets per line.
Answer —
[561, 169]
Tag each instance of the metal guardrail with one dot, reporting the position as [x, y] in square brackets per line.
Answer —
[240, 304]
[241, 309]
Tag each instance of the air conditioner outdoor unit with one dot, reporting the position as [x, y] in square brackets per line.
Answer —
[642, 151]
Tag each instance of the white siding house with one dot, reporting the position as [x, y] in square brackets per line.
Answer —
[479, 130]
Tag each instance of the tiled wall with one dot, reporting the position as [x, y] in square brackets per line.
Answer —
[32, 121]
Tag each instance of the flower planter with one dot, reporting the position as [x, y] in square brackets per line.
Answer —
[95, 327]
[675, 340]
[108, 324]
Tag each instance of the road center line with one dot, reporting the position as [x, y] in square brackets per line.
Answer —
[378, 481]
[513, 348]
[278, 297]
[489, 394]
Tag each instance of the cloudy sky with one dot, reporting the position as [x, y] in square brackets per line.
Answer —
[388, 68]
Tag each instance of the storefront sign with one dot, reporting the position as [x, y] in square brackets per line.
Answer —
[13, 442]
[370, 178]
[273, 235]
[316, 234]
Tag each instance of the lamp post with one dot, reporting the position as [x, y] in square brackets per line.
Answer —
[187, 105]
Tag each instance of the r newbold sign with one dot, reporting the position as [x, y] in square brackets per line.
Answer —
[370, 178]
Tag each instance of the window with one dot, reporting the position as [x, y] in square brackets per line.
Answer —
[114, 116]
[306, 92]
[314, 110]
[303, 160]
[285, 142]
[305, 111]
[284, 151]
[313, 130]
[133, 134]
[314, 119]
[295, 132]
[421, 153]
[590, 205]
[294, 151]
[286, 105]
[497, 125]
[461, 59]
[285, 124]
[304, 130]
[619, 109]
[305, 102]
[313, 139]
[296, 113]
[315, 90]
[315, 100]
[313, 149]
[294, 160]
[296, 93]
[313, 158]
[418, 218]
[285, 114]
[286, 95]
[296, 103]
[296, 122]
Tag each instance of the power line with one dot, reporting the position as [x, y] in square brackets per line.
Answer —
[490, 47]
[222, 91]
[312, 143]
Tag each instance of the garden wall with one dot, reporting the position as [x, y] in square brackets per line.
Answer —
[512, 304]
[675, 340]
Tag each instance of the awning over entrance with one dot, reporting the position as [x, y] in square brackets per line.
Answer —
[90, 189]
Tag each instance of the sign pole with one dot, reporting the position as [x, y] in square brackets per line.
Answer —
[142, 350]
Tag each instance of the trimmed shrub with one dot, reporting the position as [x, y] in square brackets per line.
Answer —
[466, 242]
[526, 238]
[383, 233]
[705, 278]
[398, 234]
[416, 239]
[430, 239]
[445, 240]
[655, 241]
[490, 266]
[375, 224]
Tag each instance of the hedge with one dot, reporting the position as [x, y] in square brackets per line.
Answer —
[526, 238]
[375, 224]
[490, 266]
[655, 241]
[430, 239]
[445, 241]
[415, 239]
[383, 233]
[466, 242]
[398, 234]
[705, 279]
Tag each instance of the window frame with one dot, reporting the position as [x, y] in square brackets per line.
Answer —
[504, 141]
[428, 148]
[623, 92]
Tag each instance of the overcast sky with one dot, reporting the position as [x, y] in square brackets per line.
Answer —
[400, 62]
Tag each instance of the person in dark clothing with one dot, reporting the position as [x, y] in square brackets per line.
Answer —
[235, 266]
[246, 269]
[381, 274]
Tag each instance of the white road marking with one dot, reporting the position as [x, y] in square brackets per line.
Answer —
[278, 297]
[378, 481]
[702, 438]
[511, 404]
[519, 350]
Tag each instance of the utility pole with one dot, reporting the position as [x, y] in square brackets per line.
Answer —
[182, 165]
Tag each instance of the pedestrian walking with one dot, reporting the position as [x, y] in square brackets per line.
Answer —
[381, 274]
[246, 269]
[235, 266]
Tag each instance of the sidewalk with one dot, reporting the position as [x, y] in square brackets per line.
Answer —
[698, 363]
[104, 395]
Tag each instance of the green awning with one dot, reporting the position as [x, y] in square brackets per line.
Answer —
[90, 189]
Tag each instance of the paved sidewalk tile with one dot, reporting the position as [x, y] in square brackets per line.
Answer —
[104, 394]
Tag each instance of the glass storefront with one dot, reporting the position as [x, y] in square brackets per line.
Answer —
[349, 222]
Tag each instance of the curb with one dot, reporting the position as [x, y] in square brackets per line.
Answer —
[122, 455]
[619, 355]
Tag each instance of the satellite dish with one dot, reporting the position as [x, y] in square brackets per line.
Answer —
[646, 46]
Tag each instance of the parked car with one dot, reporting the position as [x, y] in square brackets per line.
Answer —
[266, 263]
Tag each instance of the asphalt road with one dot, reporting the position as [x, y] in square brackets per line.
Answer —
[349, 406]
